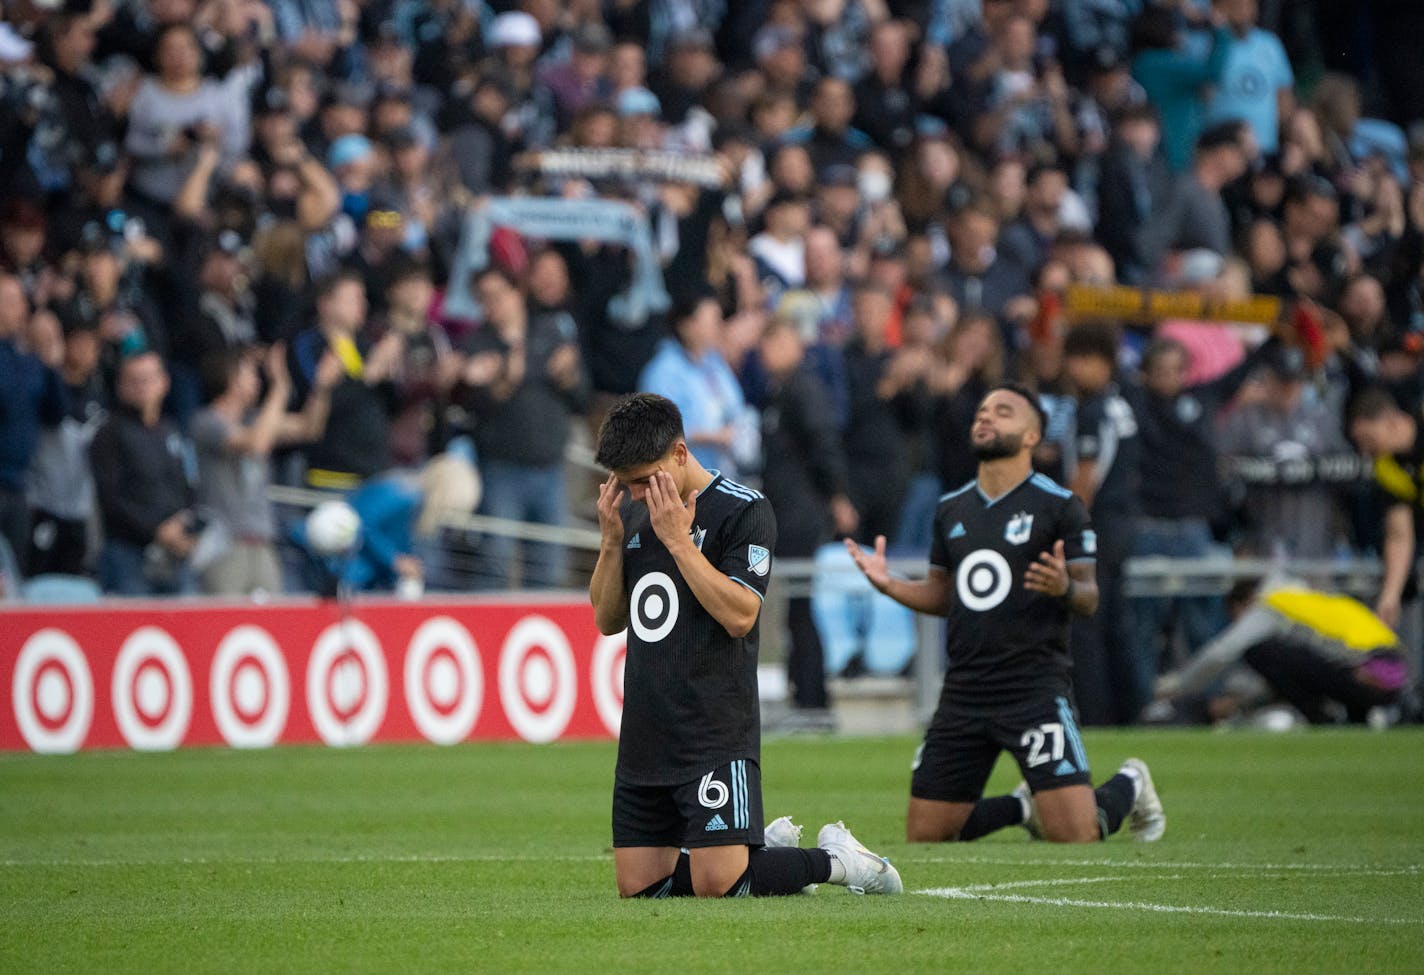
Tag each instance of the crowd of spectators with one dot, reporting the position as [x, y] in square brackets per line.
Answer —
[235, 250]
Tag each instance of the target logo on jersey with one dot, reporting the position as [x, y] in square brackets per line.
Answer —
[654, 607]
[983, 580]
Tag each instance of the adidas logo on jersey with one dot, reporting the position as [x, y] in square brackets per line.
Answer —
[1065, 767]
[635, 541]
[957, 531]
[715, 824]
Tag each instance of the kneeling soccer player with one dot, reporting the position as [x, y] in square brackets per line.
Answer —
[684, 566]
[1012, 557]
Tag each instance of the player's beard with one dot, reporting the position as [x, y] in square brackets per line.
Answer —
[1003, 445]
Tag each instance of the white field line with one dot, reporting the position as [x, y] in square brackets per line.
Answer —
[1372, 870]
[965, 893]
[243, 861]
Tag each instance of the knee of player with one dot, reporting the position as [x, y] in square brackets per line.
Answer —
[714, 882]
[1086, 832]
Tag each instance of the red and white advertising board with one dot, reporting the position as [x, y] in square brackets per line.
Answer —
[162, 675]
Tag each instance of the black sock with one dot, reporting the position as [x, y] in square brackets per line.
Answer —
[990, 815]
[676, 884]
[1115, 798]
[774, 871]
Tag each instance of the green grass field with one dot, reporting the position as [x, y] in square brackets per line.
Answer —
[1290, 853]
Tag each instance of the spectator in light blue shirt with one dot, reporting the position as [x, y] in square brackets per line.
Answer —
[689, 369]
[1255, 84]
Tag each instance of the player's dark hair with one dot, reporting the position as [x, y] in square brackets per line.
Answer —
[637, 431]
[1028, 396]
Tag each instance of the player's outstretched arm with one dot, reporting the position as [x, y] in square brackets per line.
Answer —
[605, 589]
[928, 595]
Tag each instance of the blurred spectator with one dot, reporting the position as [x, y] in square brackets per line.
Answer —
[427, 368]
[1132, 185]
[885, 107]
[1256, 82]
[805, 474]
[1193, 215]
[1390, 435]
[1025, 107]
[1175, 76]
[524, 381]
[141, 483]
[978, 276]
[780, 250]
[1323, 653]
[1177, 426]
[31, 397]
[887, 397]
[1104, 470]
[582, 79]
[1281, 448]
[690, 369]
[830, 138]
[356, 442]
[234, 437]
[61, 486]
[175, 111]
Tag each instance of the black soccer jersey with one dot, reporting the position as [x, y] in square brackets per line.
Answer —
[1006, 644]
[690, 698]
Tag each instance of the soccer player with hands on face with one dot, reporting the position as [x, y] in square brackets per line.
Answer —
[683, 565]
[1012, 559]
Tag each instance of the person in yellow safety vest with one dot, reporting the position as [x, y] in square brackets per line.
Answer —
[1312, 647]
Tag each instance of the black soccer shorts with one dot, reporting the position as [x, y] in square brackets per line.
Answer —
[960, 748]
[722, 808]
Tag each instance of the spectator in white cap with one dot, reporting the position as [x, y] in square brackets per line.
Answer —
[517, 40]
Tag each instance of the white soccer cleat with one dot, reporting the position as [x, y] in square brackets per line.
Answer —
[781, 832]
[1147, 822]
[1030, 824]
[866, 872]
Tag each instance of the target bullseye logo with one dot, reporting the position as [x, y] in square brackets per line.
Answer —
[983, 580]
[610, 654]
[249, 688]
[152, 691]
[444, 681]
[52, 692]
[347, 684]
[538, 682]
[654, 606]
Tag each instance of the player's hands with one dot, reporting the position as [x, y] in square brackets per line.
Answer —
[671, 519]
[1049, 573]
[874, 564]
[610, 520]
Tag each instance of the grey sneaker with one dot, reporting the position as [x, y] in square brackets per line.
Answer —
[1147, 822]
[1031, 826]
[866, 872]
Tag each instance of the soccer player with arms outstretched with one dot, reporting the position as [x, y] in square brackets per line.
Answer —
[1012, 557]
[684, 568]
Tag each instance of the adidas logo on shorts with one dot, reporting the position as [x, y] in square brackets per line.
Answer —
[715, 824]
